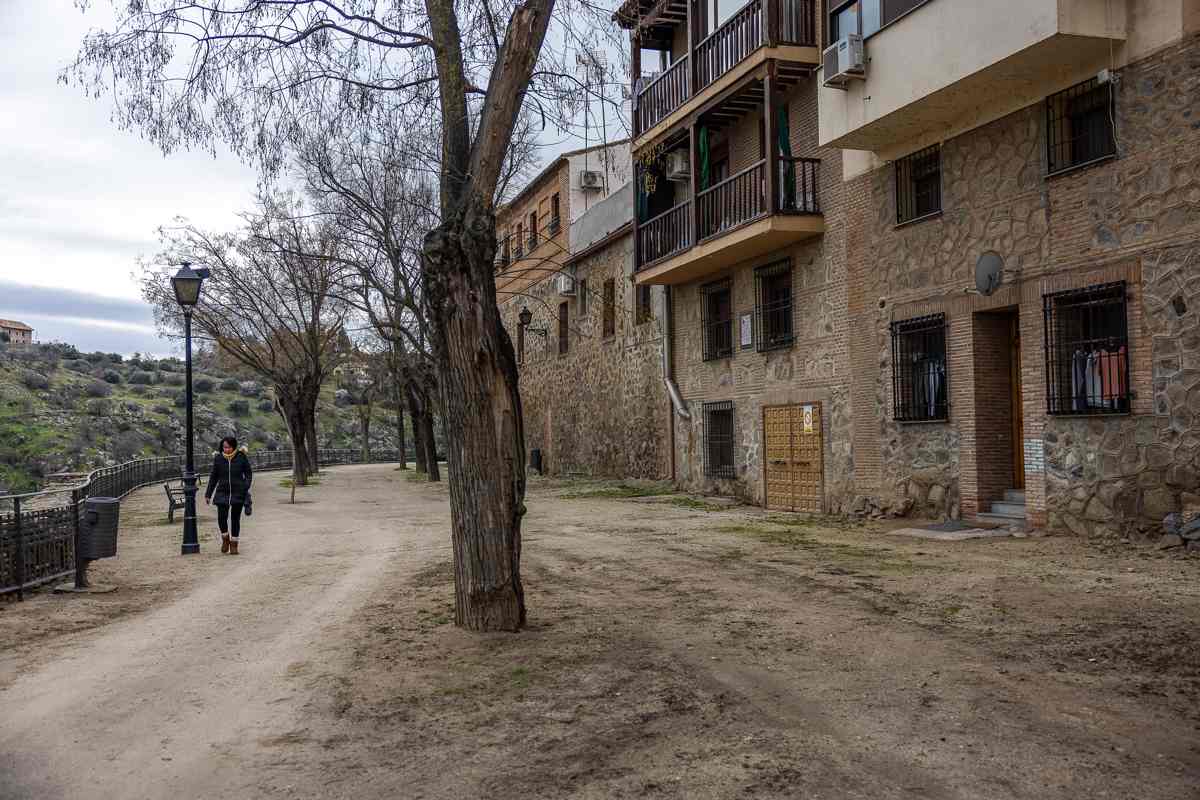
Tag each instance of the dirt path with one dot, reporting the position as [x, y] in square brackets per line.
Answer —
[674, 652]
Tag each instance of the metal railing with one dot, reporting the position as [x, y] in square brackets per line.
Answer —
[799, 185]
[664, 94]
[666, 234]
[730, 44]
[38, 532]
[735, 200]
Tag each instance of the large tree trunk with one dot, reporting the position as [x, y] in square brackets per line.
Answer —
[400, 444]
[414, 411]
[310, 436]
[485, 446]
[293, 416]
[365, 422]
[430, 442]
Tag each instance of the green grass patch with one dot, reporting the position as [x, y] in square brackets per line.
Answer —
[287, 483]
[692, 504]
[619, 491]
[520, 678]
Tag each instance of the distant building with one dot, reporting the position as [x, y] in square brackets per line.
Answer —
[18, 332]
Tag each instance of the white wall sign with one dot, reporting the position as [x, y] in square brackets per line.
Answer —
[747, 330]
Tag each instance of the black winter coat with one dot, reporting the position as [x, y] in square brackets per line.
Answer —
[230, 479]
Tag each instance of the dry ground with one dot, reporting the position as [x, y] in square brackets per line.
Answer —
[673, 652]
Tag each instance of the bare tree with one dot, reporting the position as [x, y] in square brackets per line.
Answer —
[265, 307]
[254, 72]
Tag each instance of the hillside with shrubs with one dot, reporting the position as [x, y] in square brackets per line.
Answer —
[62, 410]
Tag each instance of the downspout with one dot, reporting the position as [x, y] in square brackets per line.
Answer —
[668, 356]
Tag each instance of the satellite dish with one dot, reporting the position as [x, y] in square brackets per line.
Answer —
[989, 273]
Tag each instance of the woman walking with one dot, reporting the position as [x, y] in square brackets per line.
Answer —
[229, 486]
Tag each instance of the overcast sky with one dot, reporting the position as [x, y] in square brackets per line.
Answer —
[80, 200]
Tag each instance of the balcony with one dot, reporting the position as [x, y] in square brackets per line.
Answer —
[950, 66]
[742, 217]
[783, 30]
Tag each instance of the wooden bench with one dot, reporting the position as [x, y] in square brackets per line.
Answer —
[175, 497]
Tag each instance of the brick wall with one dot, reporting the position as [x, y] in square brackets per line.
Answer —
[551, 251]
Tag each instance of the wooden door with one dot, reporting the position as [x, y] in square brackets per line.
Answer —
[793, 462]
[1018, 408]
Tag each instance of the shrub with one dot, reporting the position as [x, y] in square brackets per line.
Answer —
[173, 379]
[99, 408]
[180, 399]
[203, 385]
[96, 358]
[114, 358]
[140, 391]
[160, 409]
[127, 445]
[79, 365]
[35, 380]
[140, 378]
[229, 385]
[250, 389]
[239, 408]
[167, 365]
[98, 389]
[266, 405]
[112, 376]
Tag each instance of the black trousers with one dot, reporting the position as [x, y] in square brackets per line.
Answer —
[223, 519]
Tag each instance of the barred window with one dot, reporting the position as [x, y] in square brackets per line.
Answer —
[533, 231]
[610, 307]
[919, 369]
[919, 184]
[645, 311]
[718, 440]
[1079, 126]
[773, 305]
[583, 298]
[1087, 350]
[555, 218]
[564, 329]
[717, 311]
[519, 243]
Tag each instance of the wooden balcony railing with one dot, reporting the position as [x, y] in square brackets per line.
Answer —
[664, 94]
[799, 179]
[735, 200]
[797, 22]
[666, 234]
[724, 48]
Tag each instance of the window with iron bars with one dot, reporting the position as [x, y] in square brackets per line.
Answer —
[519, 242]
[1087, 350]
[564, 329]
[583, 297]
[555, 218]
[610, 308]
[773, 305]
[1079, 126]
[718, 440]
[717, 311]
[645, 310]
[919, 373]
[919, 184]
[533, 231]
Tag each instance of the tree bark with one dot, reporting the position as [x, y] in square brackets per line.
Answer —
[430, 442]
[365, 422]
[414, 411]
[293, 418]
[310, 435]
[402, 455]
[485, 447]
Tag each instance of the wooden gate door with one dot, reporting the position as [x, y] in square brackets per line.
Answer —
[793, 465]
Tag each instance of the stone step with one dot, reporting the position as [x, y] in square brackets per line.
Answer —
[1014, 496]
[1009, 509]
[1006, 520]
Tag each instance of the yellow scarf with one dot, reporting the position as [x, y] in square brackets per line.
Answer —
[230, 456]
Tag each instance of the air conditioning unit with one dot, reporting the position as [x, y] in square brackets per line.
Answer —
[677, 167]
[844, 62]
[590, 179]
[565, 285]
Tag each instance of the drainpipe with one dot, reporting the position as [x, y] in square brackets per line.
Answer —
[669, 359]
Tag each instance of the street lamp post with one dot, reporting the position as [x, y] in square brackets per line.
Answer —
[186, 284]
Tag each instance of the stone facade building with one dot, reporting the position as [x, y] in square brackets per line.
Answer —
[590, 349]
[18, 332]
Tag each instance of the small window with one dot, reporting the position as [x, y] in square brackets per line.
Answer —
[717, 311]
[919, 369]
[583, 298]
[519, 243]
[610, 307]
[533, 231]
[506, 250]
[645, 311]
[718, 440]
[1079, 126]
[919, 185]
[843, 21]
[555, 218]
[564, 329]
[773, 305]
[1087, 351]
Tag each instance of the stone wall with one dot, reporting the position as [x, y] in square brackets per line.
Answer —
[1134, 218]
[601, 408]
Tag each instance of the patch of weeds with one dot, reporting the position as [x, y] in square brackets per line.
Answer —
[435, 574]
[414, 476]
[520, 678]
[619, 491]
[692, 504]
[286, 483]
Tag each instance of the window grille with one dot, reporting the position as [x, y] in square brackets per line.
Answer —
[773, 305]
[1079, 126]
[1087, 350]
[919, 374]
[506, 251]
[583, 298]
[645, 311]
[564, 329]
[519, 243]
[555, 218]
[717, 311]
[718, 440]
[610, 307]
[919, 184]
[533, 231]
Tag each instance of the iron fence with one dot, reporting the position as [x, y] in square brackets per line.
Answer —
[39, 530]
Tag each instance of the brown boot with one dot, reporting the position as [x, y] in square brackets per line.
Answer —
[233, 547]
[224, 543]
